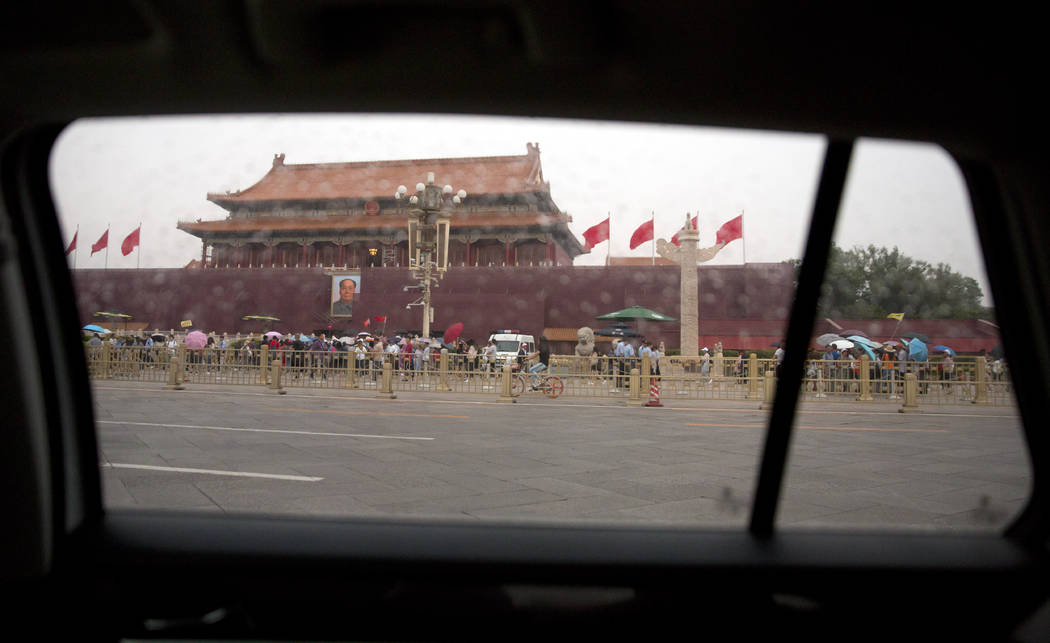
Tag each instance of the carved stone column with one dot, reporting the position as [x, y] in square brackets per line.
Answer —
[689, 313]
[688, 255]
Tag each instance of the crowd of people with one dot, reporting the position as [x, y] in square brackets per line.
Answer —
[411, 355]
[833, 369]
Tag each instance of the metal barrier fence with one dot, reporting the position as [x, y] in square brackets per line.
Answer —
[967, 380]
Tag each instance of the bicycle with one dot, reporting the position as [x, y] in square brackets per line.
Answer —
[551, 385]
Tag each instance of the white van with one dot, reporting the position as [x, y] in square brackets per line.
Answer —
[507, 344]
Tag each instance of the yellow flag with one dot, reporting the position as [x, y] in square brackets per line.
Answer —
[897, 316]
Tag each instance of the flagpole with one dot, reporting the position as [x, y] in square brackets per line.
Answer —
[76, 250]
[107, 247]
[138, 257]
[743, 237]
[608, 249]
[894, 333]
[653, 219]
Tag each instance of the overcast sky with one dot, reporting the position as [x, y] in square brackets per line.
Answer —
[158, 171]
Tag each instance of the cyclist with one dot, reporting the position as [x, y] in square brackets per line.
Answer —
[543, 353]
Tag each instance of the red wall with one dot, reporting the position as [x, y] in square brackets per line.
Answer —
[743, 306]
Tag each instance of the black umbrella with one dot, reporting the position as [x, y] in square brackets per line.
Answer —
[997, 352]
[617, 332]
[637, 312]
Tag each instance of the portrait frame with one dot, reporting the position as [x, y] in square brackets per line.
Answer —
[337, 308]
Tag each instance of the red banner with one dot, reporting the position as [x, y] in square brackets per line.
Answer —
[72, 244]
[731, 230]
[596, 234]
[130, 242]
[642, 234]
[102, 242]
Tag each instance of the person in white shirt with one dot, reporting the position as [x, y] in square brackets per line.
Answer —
[490, 359]
[472, 360]
[360, 355]
[705, 363]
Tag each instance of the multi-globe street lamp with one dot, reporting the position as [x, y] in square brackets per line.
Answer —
[429, 213]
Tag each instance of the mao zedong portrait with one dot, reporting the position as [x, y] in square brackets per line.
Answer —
[345, 304]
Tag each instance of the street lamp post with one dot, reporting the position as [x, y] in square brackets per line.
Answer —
[429, 212]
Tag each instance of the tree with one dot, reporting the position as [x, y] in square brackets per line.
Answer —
[871, 282]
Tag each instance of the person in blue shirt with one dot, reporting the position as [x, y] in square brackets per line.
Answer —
[625, 353]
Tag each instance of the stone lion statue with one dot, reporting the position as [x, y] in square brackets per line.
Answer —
[585, 342]
[584, 347]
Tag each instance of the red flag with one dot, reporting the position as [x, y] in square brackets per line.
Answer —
[381, 319]
[72, 244]
[731, 230]
[102, 242]
[596, 234]
[642, 234]
[675, 240]
[130, 241]
[368, 322]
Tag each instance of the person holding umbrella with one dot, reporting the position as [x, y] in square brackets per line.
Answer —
[947, 371]
[919, 355]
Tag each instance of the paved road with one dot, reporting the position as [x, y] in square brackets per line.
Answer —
[346, 453]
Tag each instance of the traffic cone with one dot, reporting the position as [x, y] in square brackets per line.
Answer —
[654, 393]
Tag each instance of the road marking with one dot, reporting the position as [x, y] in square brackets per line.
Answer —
[230, 428]
[212, 472]
[406, 415]
[803, 411]
[824, 428]
[927, 410]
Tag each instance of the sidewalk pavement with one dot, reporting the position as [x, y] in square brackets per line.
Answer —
[533, 399]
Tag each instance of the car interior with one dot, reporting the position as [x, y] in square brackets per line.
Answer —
[956, 78]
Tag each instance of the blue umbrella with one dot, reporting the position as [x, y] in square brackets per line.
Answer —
[940, 347]
[95, 329]
[865, 348]
[917, 351]
[870, 343]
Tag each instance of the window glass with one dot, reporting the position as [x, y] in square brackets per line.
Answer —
[908, 419]
[240, 267]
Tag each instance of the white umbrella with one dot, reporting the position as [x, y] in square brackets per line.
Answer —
[841, 344]
[827, 338]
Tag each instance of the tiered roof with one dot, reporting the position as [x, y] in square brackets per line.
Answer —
[459, 221]
[374, 180]
[293, 198]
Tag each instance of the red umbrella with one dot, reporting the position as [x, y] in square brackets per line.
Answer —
[453, 332]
